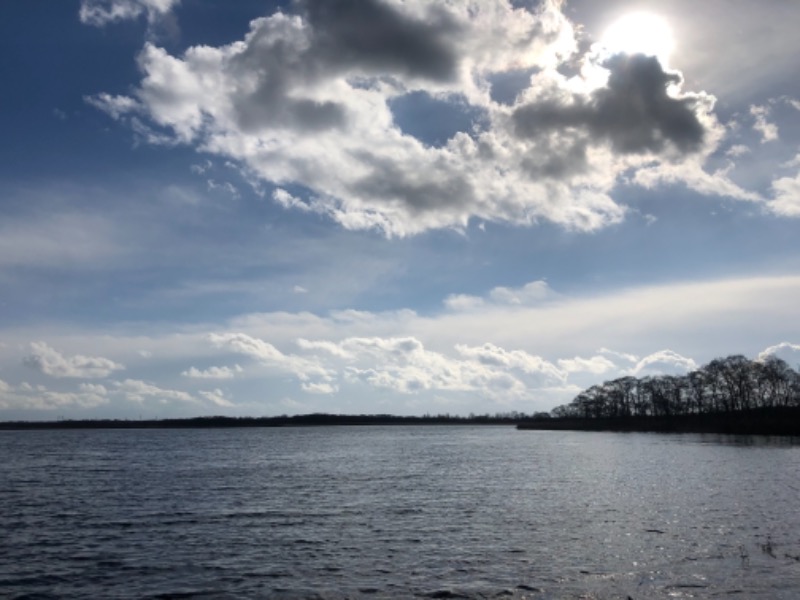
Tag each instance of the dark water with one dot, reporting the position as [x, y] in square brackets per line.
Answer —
[396, 512]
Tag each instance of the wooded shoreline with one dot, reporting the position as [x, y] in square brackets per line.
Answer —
[783, 421]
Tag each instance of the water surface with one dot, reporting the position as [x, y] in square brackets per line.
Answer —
[397, 512]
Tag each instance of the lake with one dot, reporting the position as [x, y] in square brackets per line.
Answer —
[397, 512]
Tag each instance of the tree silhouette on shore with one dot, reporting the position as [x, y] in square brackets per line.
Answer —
[722, 387]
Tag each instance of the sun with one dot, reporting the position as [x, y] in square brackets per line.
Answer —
[639, 33]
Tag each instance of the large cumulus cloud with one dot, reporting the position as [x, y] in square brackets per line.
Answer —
[307, 99]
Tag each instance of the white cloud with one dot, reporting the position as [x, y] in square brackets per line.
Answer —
[597, 365]
[404, 365]
[425, 371]
[664, 362]
[309, 99]
[115, 106]
[463, 302]
[786, 196]
[630, 358]
[792, 163]
[264, 352]
[217, 398]
[103, 12]
[40, 398]
[319, 388]
[785, 350]
[768, 130]
[201, 168]
[226, 186]
[329, 347]
[93, 388]
[692, 175]
[529, 294]
[286, 200]
[213, 372]
[135, 390]
[737, 150]
[491, 355]
[51, 362]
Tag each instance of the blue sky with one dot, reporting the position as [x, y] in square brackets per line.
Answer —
[259, 208]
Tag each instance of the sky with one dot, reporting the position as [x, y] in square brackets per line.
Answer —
[258, 208]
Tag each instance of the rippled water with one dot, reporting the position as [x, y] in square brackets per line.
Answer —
[374, 512]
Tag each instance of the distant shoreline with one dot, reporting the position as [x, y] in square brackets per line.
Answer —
[310, 420]
[784, 421]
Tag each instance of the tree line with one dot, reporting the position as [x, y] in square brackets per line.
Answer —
[724, 386]
[314, 419]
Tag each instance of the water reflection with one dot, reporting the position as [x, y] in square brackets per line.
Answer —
[755, 441]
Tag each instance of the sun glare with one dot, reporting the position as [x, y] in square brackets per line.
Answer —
[639, 33]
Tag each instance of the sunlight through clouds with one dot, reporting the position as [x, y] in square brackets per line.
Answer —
[303, 99]
[640, 32]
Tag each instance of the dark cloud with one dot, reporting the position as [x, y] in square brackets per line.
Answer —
[633, 112]
[637, 114]
[271, 68]
[361, 36]
[267, 109]
[370, 34]
[559, 159]
[423, 193]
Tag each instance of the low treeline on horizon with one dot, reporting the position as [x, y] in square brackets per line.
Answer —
[313, 419]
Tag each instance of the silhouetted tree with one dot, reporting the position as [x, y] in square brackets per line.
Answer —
[723, 386]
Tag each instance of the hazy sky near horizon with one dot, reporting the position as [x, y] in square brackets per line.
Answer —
[389, 206]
